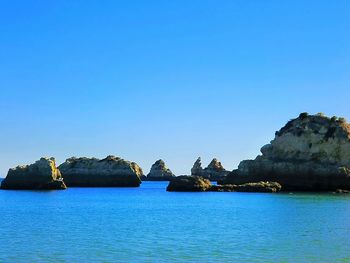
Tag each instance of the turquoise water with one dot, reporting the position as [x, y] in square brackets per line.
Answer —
[148, 224]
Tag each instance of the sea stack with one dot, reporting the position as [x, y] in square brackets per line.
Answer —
[109, 172]
[310, 153]
[197, 169]
[41, 175]
[159, 172]
[214, 171]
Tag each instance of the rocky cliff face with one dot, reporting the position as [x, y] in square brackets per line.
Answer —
[42, 174]
[159, 172]
[214, 171]
[109, 172]
[311, 153]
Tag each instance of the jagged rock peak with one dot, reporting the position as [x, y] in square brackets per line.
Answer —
[198, 163]
[160, 170]
[214, 171]
[197, 167]
[215, 165]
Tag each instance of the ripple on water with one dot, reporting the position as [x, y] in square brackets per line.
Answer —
[150, 224]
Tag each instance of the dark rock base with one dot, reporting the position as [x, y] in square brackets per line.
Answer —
[83, 180]
[188, 184]
[54, 185]
[293, 176]
[200, 184]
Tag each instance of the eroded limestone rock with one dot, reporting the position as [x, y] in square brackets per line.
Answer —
[159, 172]
[214, 171]
[188, 184]
[200, 184]
[310, 153]
[43, 175]
[109, 172]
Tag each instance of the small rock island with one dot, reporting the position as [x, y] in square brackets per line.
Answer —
[41, 175]
[159, 172]
[111, 171]
[310, 153]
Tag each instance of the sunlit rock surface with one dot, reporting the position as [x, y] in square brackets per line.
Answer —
[214, 171]
[109, 172]
[159, 172]
[310, 153]
[42, 175]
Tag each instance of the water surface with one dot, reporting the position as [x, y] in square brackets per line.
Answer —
[148, 224]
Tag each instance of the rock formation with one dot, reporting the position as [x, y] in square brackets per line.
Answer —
[214, 171]
[159, 172]
[197, 169]
[109, 172]
[188, 184]
[42, 174]
[310, 153]
[200, 184]
[261, 187]
[258, 187]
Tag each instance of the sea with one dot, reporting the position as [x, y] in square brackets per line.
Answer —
[148, 224]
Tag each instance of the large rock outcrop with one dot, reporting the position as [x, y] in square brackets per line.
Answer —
[159, 172]
[41, 175]
[200, 184]
[214, 171]
[92, 172]
[310, 153]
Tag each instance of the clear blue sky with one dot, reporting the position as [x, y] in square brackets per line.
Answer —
[165, 79]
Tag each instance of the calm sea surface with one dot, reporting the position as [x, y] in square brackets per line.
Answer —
[148, 224]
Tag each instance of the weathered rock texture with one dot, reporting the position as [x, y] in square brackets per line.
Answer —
[197, 169]
[200, 184]
[109, 172]
[261, 187]
[188, 184]
[159, 172]
[214, 171]
[310, 153]
[258, 187]
[42, 174]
